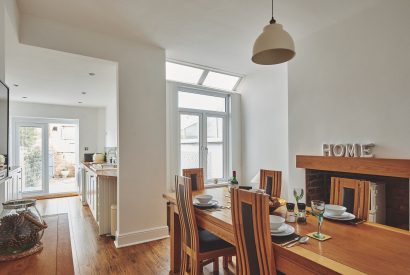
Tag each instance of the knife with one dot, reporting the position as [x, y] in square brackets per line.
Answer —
[291, 241]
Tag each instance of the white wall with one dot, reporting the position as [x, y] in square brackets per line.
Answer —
[141, 116]
[111, 124]
[351, 83]
[91, 132]
[264, 123]
[2, 40]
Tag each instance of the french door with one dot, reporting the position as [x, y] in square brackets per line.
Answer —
[31, 153]
[203, 143]
[47, 151]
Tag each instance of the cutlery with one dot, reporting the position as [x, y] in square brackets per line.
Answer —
[291, 241]
[304, 239]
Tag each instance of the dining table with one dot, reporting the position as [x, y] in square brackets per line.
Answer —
[366, 248]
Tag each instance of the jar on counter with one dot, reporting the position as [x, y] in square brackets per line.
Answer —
[290, 214]
[21, 226]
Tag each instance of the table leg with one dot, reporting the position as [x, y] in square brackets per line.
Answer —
[175, 240]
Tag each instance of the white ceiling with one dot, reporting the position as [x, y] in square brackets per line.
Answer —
[47, 76]
[216, 34]
[213, 33]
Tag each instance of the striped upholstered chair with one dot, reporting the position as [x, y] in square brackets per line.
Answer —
[199, 246]
[250, 216]
[197, 177]
[271, 182]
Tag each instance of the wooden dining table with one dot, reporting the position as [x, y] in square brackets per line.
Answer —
[366, 248]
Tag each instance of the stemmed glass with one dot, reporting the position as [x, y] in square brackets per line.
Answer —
[318, 208]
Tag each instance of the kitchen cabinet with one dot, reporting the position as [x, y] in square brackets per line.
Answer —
[11, 187]
[99, 192]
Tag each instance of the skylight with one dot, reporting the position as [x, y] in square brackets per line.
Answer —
[221, 81]
[201, 76]
[182, 73]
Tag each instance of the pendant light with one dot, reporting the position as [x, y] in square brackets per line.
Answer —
[274, 45]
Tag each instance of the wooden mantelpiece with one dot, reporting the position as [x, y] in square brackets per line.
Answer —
[369, 166]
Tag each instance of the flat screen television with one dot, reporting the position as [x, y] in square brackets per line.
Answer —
[4, 129]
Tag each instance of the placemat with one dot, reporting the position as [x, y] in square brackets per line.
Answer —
[325, 238]
[283, 239]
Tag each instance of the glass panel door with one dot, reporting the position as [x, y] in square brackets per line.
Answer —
[215, 150]
[190, 153]
[30, 156]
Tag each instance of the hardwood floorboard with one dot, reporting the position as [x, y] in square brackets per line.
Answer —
[94, 254]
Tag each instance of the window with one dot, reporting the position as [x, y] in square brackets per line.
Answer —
[221, 81]
[181, 73]
[203, 132]
[201, 102]
[201, 76]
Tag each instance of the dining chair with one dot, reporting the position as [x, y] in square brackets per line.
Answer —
[197, 177]
[352, 194]
[199, 247]
[250, 218]
[271, 182]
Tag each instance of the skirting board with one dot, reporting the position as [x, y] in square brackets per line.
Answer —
[141, 236]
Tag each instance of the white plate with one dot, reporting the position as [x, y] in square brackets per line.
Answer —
[209, 204]
[282, 228]
[289, 231]
[345, 217]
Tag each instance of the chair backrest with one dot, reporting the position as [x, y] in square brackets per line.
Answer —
[183, 190]
[351, 193]
[197, 177]
[250, 216]
[271, 182]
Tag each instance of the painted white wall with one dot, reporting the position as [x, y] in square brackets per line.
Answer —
[2, 40]
[91, 132]
[141, 116]
[264, 123]
[102, 133]
[111, 124]
[350, 83]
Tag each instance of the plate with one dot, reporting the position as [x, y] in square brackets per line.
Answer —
[288, 231]
[282, 228]
[345, 217]
[209, 204]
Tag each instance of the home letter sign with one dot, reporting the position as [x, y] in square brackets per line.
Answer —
[348, 150]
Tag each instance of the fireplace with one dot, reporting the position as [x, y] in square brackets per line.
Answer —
[319, 171]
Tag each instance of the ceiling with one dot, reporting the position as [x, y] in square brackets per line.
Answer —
[52, 77]
[217, 34]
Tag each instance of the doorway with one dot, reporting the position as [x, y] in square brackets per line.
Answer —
[47, 152]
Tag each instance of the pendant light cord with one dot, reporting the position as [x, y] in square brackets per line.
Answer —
[272, 21]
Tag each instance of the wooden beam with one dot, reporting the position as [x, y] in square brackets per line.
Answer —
[369, 166]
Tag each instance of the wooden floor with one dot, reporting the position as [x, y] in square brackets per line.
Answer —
[93, 254]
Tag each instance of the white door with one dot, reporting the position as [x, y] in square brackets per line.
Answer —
[31, 154]
[203, 143]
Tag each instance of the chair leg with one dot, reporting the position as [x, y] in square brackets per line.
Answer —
[216, 264]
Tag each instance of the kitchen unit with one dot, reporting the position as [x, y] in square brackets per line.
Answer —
[99, 192]
[11, 187]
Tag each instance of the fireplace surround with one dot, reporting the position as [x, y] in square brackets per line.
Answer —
[393, 173]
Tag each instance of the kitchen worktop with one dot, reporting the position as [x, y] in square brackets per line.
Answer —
[105, 172]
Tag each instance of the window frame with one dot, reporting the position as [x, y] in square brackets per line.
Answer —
[203, 116]
[206, 71]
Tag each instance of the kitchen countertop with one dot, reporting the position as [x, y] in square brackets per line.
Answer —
[107, 172]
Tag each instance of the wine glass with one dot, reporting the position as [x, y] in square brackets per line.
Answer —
[318, 208]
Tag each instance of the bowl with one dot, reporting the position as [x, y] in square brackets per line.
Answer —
[275, 222]
[334, 210]
[204, 198]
